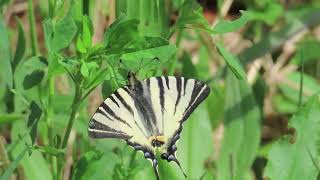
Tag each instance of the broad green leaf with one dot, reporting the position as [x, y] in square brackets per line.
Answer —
[87, 31]
[33, 79]
[107, 88]
[87, 161]
[63, 33]
[55, 66]
[232, 62]
[99, 77]
[33, 120]
[24, 70]
[224, 26]
[21, 45]
[5, 55]
[241, 135]
[143, 61]
[80, 46]
[297, 157]
[48, 33]
[84, 69]
[121, 32]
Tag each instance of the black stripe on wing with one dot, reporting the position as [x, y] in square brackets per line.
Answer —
[112, 114]
[178, 84]
[100, 130]
[124, 103]
[199, 93]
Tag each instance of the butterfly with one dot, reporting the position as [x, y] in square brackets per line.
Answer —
[149, 114]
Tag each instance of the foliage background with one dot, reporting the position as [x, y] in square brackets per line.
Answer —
[59, 59]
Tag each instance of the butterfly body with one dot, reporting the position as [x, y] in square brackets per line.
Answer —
[148, 114]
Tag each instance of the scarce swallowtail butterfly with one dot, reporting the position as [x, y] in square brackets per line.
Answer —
[149, 114]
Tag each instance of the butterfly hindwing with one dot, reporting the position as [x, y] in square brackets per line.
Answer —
[143, 110]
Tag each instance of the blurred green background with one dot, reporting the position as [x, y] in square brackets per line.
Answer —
[60, 58]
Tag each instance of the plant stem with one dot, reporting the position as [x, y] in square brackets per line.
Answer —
[32, 24]
[74, 108]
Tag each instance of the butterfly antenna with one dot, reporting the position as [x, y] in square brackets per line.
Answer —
[139, 66]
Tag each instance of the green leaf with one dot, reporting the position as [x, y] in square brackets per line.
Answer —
[84, 162]
[63, 34]
[191, 15]
[80, 45]
[147, 59]
[84, 69]
[288, 160]
[21, 45]
[87, 31]
[99, 77]
[5, 55]
[92, 165]
[224, 26]
[242, 130]
[121, 32]
[24, 70]
[232, 62]
[48, 33]
[107, 88]
[33, 120]
[33, 79]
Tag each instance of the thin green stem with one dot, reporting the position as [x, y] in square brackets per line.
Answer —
[32, 24]
[74, 108]
[301, 78]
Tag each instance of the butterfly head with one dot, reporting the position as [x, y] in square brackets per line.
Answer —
[157, 141]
